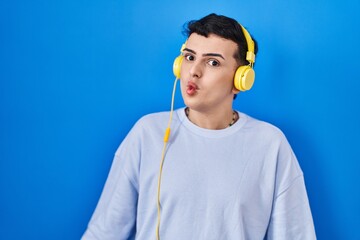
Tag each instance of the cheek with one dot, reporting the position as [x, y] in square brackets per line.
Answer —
[230, 78]
[183, 63]
[183, 69]
[224, 81]
[182, 85]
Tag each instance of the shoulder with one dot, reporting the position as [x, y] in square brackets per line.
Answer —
[262, 129]
[150, 124]
[153, 117]
[269, 139]
[160, 119]
[152, 121]
[148, 127]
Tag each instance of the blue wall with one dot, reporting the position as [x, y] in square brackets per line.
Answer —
[76, 75]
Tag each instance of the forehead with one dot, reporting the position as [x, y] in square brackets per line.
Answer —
[211, 44]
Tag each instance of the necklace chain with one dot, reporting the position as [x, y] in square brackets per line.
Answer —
[233, 120]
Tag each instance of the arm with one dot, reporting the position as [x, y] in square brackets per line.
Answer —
[291, 215]
[115, 214]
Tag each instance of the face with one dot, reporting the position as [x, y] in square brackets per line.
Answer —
[207, 72]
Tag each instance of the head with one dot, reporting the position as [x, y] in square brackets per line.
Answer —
[211, 68]
[228, 29]
[223, 27]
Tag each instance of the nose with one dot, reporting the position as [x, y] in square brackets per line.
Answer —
[196, 70]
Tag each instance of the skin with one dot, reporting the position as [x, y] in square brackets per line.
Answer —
[207, 73]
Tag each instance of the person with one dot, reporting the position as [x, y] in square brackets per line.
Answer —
[224, 175]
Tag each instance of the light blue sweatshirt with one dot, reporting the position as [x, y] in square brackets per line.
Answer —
[242, 182]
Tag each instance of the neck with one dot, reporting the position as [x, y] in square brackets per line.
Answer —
[213, 120]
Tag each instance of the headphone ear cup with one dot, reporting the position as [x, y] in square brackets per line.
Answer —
[244, 78]
[177, 66]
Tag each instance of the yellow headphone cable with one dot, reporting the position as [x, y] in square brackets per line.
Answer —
[166, 138]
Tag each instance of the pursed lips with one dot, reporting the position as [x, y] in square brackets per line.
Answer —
[191, 88]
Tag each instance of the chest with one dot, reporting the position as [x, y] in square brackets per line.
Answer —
[202, 171]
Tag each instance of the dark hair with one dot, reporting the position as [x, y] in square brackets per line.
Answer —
[224, 27]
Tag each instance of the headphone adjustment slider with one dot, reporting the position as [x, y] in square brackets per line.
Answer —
[250, 56]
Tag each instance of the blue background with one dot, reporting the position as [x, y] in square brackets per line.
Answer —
[76, 75]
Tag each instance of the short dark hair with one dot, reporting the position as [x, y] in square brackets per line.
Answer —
[224, 27]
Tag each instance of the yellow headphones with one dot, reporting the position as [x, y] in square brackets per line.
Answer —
[244, 76]
[178, 62]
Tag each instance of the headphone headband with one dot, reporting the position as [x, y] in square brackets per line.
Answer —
[250, 55]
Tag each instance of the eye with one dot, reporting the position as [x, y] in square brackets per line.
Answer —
[189, 57]
[213, 63]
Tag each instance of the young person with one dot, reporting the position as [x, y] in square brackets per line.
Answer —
[224, 175]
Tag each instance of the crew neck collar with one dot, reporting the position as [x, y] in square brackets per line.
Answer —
[211, 133]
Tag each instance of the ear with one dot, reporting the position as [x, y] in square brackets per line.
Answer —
[235, 91]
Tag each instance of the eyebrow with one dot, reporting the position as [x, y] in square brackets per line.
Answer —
[205, 54]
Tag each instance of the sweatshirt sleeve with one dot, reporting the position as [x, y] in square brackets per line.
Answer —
[291, 215]
[115, 213]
